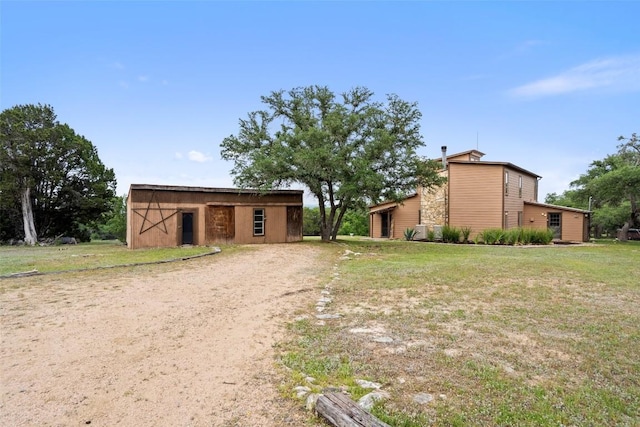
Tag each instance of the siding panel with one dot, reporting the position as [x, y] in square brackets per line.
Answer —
[475, 196]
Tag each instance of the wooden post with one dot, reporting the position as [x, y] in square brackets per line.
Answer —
[341, 411]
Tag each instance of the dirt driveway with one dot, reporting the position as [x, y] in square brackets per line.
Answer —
[186, 345]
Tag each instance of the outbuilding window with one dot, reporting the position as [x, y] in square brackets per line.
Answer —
[258, 222]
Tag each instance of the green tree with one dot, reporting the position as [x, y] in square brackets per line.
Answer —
[355, 222]
[348, 150]
[52, 174]
[113, 224]
[612, 183]
[310, 221]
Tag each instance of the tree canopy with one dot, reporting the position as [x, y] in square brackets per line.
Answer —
[51, 179]
[613, 187]
[347, 150]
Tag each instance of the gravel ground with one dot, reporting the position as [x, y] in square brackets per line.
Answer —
[189, 345]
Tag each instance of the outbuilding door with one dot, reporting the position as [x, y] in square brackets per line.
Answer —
[221, 224]
[554, 222]
[187, 228]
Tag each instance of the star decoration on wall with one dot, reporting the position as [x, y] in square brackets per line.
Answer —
[144, 213]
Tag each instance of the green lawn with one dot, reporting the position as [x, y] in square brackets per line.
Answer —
[517, 336]
[97, 254]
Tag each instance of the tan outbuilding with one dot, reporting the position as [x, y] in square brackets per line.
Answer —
[164, 216]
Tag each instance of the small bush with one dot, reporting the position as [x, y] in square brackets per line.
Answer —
[492, 236]
[431, 235]
[466, 231]
[451, 234]
[409, 234]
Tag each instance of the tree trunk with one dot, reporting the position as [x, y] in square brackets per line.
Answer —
[30, 236]
[624, 232]
[336, 227]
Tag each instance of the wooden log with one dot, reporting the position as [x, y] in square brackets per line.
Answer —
[341, 411]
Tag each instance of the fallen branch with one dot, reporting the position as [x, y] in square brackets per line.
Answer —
[341, 411]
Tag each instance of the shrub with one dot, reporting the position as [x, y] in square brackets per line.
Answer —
[451, 234]
[492, 236]
[515, 236]
[431, 235]
[409, 234]
[466, 231]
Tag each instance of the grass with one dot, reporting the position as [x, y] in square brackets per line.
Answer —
[46, 259]
[527, 336]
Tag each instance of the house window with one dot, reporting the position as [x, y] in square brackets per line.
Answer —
[506, 183]
[258, 222]
[520, 186]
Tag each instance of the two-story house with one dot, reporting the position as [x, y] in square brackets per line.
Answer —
[480, 195]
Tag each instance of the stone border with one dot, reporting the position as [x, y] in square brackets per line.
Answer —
[31, 273]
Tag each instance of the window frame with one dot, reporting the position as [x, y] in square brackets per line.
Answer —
[259, 219]
[506, 183]
[520, 186]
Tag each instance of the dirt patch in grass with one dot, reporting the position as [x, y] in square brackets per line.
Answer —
[186, 344]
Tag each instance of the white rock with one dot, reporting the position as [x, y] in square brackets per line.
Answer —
[301, 390]
[328, 316]
[368, 384]
[422, 398]
[366, 402]
[383, 340]
[311, 401]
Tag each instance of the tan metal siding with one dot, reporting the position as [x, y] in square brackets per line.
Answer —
[573, 223]
[573, 226]
[405, 216]
[513, 200]
[275, 225]
[475, 196]
[154, 218]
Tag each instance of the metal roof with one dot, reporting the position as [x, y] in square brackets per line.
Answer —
[210, 189]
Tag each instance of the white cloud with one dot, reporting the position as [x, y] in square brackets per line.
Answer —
[178, 155]
[197, 156]
[618, 73]
[117, 65]
[123, 84]
[143, 78]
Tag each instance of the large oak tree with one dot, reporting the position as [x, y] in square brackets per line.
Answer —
[53, 176]
[347, 150]
[613, 186]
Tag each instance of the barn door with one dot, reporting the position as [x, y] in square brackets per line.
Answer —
[294, 223]
[221, 225]
[187, 228]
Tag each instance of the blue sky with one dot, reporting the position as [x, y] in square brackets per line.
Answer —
[156, 86]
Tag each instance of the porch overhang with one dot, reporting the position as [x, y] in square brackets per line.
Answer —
[382, 209]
